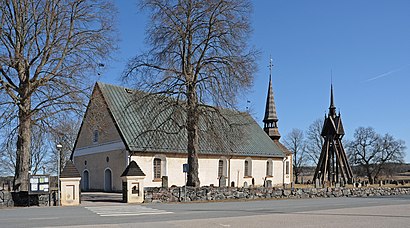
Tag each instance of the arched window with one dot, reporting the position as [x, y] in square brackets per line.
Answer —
[95, 136]
[269, 168]
[287, 168]
[248, 167]
[222, 167]
[157, 168]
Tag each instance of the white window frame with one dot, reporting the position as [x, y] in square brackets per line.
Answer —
[269, 168]
[163, 159]
[224, 167]
[247, 171]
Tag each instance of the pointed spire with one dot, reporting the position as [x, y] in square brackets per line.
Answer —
[271, 117]
[270, 109]
[332, 107]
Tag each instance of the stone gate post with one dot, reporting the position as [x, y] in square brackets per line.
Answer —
[70, 185]
[133, 184]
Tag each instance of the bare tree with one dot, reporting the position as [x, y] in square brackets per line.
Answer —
[199, 55]
[64, 134]
[372, 152]
[48, 49]
[295, 142]
[39, 150]
[314, 141]
[7, 151]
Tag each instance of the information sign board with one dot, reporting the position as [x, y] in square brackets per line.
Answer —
[39, 184]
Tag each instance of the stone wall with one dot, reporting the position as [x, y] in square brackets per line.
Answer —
[177, 194]
[10, 199]
[6, 199]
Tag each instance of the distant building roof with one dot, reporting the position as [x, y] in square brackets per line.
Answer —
[69, 171]
[133, 170]
[155, 123]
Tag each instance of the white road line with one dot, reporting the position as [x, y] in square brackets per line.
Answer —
[125, 210]
[134, 214]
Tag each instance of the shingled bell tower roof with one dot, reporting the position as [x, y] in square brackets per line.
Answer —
[271, 118]
[333, 123]
[270, 109]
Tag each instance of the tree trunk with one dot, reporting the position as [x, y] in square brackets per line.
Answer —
[369, 174]
[296, 178]
[193, 137]
[23, 158]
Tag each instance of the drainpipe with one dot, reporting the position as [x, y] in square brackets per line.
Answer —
[284, 170]
[229, 171]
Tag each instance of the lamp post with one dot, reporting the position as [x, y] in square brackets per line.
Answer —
[58, 146]
[29, 186]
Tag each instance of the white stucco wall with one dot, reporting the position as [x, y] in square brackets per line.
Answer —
[208, 170]
[172, 167]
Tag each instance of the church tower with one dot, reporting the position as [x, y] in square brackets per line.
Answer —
[333, 166]
[271, 118]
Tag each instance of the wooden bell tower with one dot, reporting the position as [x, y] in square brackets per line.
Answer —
[333, 166]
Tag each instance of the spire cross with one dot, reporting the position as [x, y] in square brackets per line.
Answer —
[270, 67]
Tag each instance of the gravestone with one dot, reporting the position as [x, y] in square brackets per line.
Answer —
[164, 181]
[222, 181]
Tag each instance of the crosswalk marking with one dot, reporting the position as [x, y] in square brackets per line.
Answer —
[126, 210]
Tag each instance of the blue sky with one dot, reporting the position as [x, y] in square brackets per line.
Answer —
[366, 45]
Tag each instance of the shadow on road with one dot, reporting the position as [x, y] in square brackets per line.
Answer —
[100, 198]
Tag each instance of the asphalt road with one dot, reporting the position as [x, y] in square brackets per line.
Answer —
[320, 212]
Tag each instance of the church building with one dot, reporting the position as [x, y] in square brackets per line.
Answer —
[123, 125]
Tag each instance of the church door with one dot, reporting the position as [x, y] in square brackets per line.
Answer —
[107, 180]
[85, 180]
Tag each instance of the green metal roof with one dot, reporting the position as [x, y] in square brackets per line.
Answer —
[155, 123]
